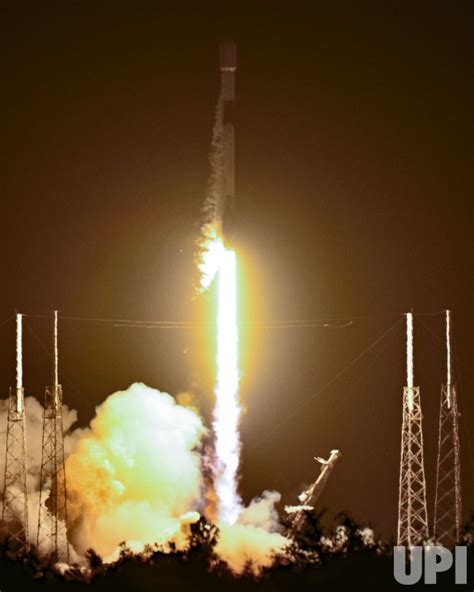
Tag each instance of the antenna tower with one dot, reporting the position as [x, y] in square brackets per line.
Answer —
[52, 517]
[15, 492]
[448, 506]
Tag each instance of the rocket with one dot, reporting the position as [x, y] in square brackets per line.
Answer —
[228, 66]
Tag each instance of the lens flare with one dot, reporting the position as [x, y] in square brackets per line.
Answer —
[222, 262]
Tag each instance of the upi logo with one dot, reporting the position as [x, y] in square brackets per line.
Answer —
[436, 560]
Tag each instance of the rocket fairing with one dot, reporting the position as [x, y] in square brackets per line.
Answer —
[228, 66]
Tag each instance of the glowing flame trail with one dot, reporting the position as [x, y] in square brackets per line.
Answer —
[227, 409]
[220, 261]
[216, 260]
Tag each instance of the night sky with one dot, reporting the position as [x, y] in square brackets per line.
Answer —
[354, 201]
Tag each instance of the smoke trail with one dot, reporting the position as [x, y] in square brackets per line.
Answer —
[213, 205]
[210, 244]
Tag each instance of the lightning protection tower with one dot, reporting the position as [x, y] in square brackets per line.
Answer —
[52, 517]
[15, 492]
[447, 512]
[412, 509]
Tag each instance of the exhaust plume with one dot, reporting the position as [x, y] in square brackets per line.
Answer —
[135, 476]
[253, 540]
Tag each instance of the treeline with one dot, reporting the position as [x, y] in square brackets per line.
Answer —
[345, 557]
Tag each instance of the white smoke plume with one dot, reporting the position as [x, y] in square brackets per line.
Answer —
[253, 541]
[135, 476]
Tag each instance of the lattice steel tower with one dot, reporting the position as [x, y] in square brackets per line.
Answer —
[448, 506]
[412, 509]
[15, 492]
[52, 518]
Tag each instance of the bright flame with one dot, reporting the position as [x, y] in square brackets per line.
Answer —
[218, 259]
[227, 410]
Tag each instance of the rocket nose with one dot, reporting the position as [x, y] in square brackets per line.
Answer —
[228, 56]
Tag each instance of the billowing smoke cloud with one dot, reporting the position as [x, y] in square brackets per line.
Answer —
[254, 539]
[135, 477]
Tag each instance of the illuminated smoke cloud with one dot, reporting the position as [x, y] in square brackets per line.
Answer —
[254, 539]
[135, 476]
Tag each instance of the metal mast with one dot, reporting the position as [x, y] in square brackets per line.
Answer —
[448, 506]
[15, 492]
[309, 497]
[52, 518]
[412, 509]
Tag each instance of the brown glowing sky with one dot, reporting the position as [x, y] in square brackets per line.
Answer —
[354, 197]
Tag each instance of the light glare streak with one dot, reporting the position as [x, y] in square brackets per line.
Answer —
[19, 352]
[19, 363]
[410, 377]
[448, 345]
